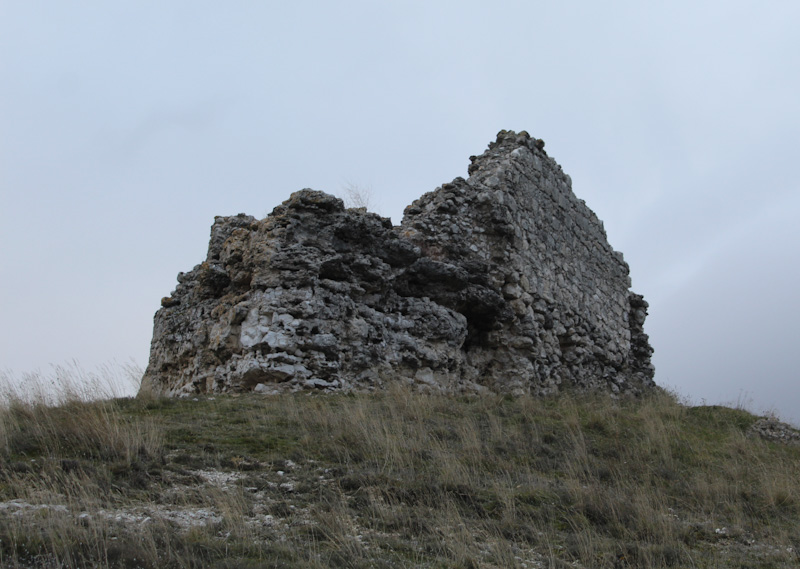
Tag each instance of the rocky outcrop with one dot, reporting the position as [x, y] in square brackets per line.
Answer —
[503, 281]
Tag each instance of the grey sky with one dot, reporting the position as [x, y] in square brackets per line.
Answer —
[126, 127]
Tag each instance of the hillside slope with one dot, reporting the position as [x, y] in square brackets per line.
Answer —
[397, 479]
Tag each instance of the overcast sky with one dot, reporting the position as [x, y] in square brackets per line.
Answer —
[125, 127]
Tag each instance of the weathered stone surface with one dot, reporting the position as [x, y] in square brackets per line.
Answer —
[771, 429]
[504, 281]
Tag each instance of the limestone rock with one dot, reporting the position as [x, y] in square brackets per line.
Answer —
[503, 281]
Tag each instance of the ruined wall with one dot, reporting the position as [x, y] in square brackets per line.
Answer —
[503, 281]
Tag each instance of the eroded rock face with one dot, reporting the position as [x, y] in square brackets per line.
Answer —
[504, 281]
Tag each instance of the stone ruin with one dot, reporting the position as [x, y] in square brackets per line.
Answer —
[504, 281]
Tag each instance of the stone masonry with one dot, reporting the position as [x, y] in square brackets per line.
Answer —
[504, 281]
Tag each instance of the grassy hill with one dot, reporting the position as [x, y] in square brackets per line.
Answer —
[395, 479]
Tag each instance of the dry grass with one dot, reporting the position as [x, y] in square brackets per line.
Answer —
[395, 479]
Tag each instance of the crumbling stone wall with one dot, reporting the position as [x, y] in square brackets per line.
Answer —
[504, 281]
